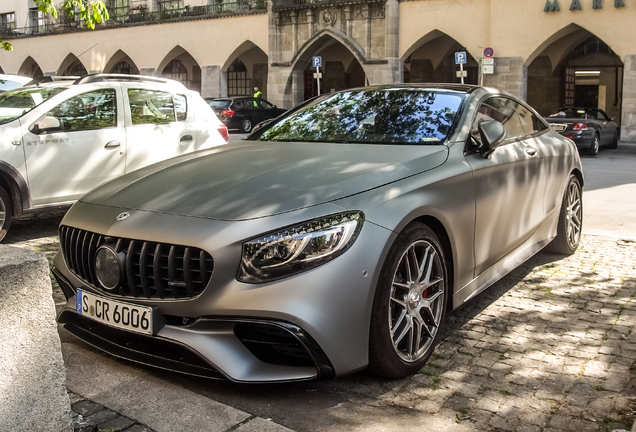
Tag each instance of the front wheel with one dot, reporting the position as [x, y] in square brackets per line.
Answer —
[570, 222]
[594, 147]
[246, 125]
[409, 304]
[6, 213]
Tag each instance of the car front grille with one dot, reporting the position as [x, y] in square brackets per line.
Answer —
[152, 270]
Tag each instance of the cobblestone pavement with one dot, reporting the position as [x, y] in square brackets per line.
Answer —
[549, 348]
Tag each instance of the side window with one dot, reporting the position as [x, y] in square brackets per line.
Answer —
[150, 107]
[253, 103]
[600, 115]
[266, 104]
[238, 104]
[502, 110]
[181, 107]
[88, 111]
[530, 123]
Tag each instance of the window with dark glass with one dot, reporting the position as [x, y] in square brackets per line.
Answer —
[530, 123]
[502, 110]
[123, 67]
[76, 69]
[238, 83]
[151, 107]
[118, 10]
[176, 70]
[37, 20]
[180, 107]
[88, 111]
[165, 5]
[8, 21]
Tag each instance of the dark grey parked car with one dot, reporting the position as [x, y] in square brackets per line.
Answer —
[335, 239]
[243, 112]
[589, 128]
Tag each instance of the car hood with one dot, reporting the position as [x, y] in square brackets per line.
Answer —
[258, 179]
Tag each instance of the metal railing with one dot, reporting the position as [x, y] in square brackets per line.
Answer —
[141, 15]
[292, 4]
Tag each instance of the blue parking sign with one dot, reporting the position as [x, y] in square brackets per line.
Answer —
[316, 61]
[460, 57]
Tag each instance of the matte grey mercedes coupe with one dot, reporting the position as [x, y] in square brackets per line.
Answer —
[334, 239]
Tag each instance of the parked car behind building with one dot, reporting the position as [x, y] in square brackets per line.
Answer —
[242, 112]
[589, 128]
[64, 136]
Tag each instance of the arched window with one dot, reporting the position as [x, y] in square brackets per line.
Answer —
[76, 69]
[177, 71]
[123, 67]
[238, 82]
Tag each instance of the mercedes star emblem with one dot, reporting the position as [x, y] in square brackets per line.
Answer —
[122, 216]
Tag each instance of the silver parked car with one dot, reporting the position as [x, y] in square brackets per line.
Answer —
[334, 239]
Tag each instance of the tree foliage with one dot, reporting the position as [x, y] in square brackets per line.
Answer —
[89, 12]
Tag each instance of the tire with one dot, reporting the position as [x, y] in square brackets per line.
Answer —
[594, 147]
[570, 222]
[6, 213]
[614, 143]
[408, 309]
[246, 125]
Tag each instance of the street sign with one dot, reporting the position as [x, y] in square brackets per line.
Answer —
[460, 57]
[316, 61]
[317, 75]
[489, 52]
[489, 61]
[488, 69]
[461, 74]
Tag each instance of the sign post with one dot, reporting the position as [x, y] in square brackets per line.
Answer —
[460, 59]
[316, 62]
[487, 63]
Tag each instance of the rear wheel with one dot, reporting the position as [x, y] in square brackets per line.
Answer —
[6, 212]
[409, 304]
[593, 148]
[570, 222]
[246, 125]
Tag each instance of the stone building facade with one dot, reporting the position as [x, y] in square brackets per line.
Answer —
[552, 53]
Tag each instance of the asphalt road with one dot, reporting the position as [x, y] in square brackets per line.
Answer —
[360, 402]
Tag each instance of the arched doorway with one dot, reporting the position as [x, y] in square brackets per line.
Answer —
[575, 69]
[179, 65]
[121, 63]
[30, 68]
[71, 66]
[340, 69]
[432, 60]
[245, 69]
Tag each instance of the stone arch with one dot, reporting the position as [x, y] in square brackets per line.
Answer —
[330, 42]
[431, 59]
[254, 61]
[119, 58]
[30, 68]
[178, 55]
[574, 67]
[70, 66]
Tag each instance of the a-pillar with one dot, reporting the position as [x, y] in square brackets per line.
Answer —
[511, 75]
[213, 81]
[628, 116]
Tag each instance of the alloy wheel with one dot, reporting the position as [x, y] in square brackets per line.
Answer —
[417, 301]
[573, 214]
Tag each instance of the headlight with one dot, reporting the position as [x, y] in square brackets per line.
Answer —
[298, 248]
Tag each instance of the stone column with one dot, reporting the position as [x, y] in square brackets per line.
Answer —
[511, 75]
[392, 41]
[310, 22]
[348, 22]
[294, 20]
[213, 81]
[366, 14]
[628, 116]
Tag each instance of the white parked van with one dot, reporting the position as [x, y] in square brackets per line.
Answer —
[62, 136]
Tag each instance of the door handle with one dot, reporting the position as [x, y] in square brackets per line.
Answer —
[186, 138]
[112, 145]
[531, 151]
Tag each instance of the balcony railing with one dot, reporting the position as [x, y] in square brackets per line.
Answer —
[293, 4]
[135, 16]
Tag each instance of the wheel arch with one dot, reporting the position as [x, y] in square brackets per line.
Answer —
[16, 187]
[579, 175]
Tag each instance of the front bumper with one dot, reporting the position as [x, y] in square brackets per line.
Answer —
[312, 325]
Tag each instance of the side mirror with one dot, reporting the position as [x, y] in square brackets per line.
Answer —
[613, 118]
[492, 133]
[46, 124]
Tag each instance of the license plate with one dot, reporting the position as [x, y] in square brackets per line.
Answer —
[559, 127]
[115, 313]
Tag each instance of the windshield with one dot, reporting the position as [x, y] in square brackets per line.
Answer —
[385, 116]
[13, 104]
